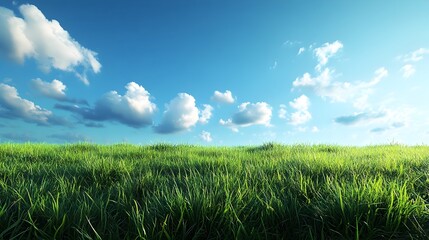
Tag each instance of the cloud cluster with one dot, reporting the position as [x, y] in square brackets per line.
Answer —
[55, 90]
[180, 114]
[336, 91]
[34, 36]
[133, 109]
[301, 115]
[12, 106]
[225, 97]
[249, 114]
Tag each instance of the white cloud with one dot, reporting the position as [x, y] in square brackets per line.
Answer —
[301, 103]
[325, 52]
[225, 97]
[13, 106]
[323, 80]
[249, 114]
[282, 111]
[34, 36]
[206, 136]
[55, 89]
[336, 91]
[301, 50]
[382, 119]
[315, 129]
[133, 109]
[206, 114]
[415, 56]
[301, 115]
[180, 114]
[408, 70]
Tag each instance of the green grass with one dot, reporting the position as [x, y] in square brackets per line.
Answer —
[272, 191]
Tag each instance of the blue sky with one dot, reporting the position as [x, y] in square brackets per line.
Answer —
[214, 72]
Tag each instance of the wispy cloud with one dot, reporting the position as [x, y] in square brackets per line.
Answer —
[324, 86]
[415, 56]
[408, 70]
[388, 127]
[274, 66]
[34, 36]
[18, 137]
[382, 120]
[69, 137]
[325, 52]
[300, 50]
[363, 117]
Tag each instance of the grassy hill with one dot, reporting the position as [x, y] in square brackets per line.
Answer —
[272, 191]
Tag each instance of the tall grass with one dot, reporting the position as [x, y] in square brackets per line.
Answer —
[85, 191]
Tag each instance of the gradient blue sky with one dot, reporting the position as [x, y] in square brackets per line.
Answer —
[214, 72]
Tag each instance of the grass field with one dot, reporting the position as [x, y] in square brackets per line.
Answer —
[272, 191]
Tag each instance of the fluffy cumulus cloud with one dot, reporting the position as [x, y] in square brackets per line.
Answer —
[225, 97]
[55, 90]
[325, 52]
[336, 91]
[206, 136]
[301, 115]
[13, 106]
[180, 114]
[249, 114]
[282, 111]
[408, 70]
[134, 108]
[206, 114]
[34, 36]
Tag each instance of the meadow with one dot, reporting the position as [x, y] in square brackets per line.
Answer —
[272, 191]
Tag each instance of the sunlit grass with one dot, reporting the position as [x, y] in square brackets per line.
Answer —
[86, 191]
